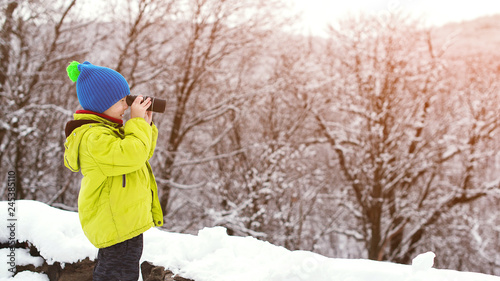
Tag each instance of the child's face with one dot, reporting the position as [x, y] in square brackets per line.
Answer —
[118, 109]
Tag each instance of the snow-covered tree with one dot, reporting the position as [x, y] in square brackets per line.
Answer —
[36, 43]
[382, 118]
[469, 230]
[216, 39]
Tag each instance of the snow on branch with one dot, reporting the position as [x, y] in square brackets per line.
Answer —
[52, 107]
[209, 159]
[173, 184]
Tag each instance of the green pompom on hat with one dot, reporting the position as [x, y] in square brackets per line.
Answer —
[73, 71]
[97, 87]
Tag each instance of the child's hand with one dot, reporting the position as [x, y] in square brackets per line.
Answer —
[149, 117]
[138, 108]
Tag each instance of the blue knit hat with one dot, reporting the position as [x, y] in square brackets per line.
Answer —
[97, 87]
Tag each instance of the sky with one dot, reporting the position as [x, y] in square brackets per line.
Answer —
[317, 13]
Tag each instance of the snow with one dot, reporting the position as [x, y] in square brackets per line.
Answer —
[23, 257]
[211, 255]
[50, 230]
[423, 262]
[26, 275]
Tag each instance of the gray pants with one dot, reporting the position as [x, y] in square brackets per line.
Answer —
[119, 262]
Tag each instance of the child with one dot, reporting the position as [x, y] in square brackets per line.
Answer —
[118, 198]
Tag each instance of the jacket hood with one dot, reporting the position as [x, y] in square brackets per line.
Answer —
[75, 130]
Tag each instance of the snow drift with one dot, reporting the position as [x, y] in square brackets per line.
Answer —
[209, 256]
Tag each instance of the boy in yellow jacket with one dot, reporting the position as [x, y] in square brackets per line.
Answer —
[118, 198]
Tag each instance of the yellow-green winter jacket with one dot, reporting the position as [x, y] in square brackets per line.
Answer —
[118, 197]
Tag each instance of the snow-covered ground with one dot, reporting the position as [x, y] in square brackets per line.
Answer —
[209, 256]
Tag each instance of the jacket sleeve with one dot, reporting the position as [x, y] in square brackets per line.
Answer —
[154, 137]
[116, 156]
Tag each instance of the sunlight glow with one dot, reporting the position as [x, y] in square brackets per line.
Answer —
[317, 14]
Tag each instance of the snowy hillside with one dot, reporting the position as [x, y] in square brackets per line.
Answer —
[210, 256]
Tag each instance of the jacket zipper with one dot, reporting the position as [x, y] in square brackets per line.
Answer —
[124, 180]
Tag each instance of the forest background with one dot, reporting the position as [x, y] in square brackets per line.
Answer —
[379, 140]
